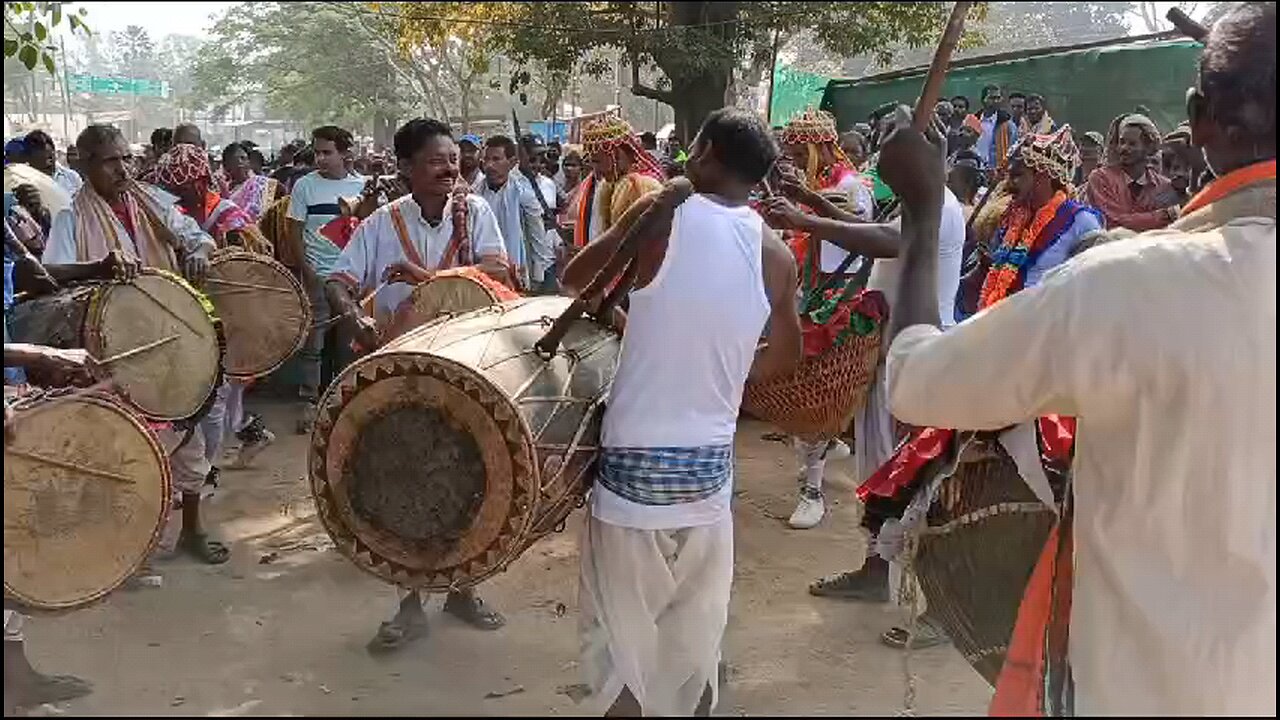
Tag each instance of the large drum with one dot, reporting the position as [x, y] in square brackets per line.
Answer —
[264, 311]
[154, 337]
[86, 489]
[450, 292]
[984, 534]
[440, 458]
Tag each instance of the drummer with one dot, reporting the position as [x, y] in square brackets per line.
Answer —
[24, 686]
[400, 245]
[113, 212]
[183, 170]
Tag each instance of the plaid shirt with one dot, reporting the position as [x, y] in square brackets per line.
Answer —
[665, 475]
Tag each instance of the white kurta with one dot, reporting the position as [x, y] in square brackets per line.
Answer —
[1164, 347]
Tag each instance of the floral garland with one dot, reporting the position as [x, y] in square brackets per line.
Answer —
[1021, 235]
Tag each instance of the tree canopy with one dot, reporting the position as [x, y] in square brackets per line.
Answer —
[28, 31]
[698, 47]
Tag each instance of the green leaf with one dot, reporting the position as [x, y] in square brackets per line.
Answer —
[41, 32]
[48, 63]
[28, 55]
[75, 22]
[10, 47]
[83, 11]
[57, 14]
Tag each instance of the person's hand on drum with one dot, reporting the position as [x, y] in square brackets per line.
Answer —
[59, 367]
[117, 266]
[366, 333]
[406, 272]
[781, 214]
[195, 267]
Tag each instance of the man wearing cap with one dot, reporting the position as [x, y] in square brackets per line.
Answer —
[1130, 193]
[469, 158]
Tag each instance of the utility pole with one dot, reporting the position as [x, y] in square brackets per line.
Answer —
[66, 94]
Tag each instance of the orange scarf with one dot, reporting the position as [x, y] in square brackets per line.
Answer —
[1231, 182]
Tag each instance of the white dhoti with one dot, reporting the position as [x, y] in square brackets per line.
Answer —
[654, 604]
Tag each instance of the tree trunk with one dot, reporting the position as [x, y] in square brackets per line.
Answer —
[694, 99]
[383, 129]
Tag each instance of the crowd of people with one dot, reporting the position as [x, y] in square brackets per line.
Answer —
[1107, 297]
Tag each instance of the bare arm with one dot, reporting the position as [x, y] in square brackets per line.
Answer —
[875, 240]
[782, 354]
[293, 240]
[591, 259]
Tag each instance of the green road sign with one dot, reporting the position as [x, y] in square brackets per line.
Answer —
[118, 86]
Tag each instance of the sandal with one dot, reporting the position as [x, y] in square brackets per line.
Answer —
[202, 548]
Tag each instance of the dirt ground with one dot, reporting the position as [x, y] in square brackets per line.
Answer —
[281, 628]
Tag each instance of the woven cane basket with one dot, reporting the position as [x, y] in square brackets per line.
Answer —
[822, 395]
[985, 531]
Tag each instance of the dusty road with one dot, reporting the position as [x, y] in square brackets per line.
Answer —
[281, 629]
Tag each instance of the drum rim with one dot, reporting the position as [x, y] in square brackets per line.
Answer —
[92, 335]
[491, 559]
[124, 409]
[231, 254]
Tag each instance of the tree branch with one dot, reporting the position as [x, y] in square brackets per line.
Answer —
[639, 89]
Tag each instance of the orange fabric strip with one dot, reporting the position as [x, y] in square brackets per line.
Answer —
[410, 252]
[1231, 182]
[1020, 687]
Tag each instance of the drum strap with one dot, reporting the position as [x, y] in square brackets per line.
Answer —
[410, 252]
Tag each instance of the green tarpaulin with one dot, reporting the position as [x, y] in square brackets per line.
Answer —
[1085, 87]
[793, 92]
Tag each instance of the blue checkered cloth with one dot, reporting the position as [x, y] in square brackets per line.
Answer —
[665, 475]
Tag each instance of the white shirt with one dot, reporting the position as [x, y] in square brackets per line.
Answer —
[376, 245]
[67, 179]
[61, 247]
[1164, 348]
[544, 252]
[885, 271]
[519, 215]
[863, 206]
[690, 341]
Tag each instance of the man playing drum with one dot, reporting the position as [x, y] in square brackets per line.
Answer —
[1163, 346]
[400, 245]
[112, 212]
[657, 547]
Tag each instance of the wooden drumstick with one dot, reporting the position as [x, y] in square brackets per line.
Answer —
[251, 286]
[938, 68]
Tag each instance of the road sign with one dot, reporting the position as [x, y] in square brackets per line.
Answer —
[118, 86]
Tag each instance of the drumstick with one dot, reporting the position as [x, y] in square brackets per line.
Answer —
[938, 68]
[135, 351]
[251, 286]
[67, 465]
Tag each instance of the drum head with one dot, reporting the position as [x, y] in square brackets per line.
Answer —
[159, 344]
[51, 194]
[264, 312]
[86, 491]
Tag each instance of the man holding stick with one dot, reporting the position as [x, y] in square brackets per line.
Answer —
[1170, 563]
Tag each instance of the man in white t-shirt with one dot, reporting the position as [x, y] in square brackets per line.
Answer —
[397, 247]
[313, 203]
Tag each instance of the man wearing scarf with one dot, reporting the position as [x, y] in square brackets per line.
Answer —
[622, 173]
[113, 212]
[1129, 192]
[1159, 597]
